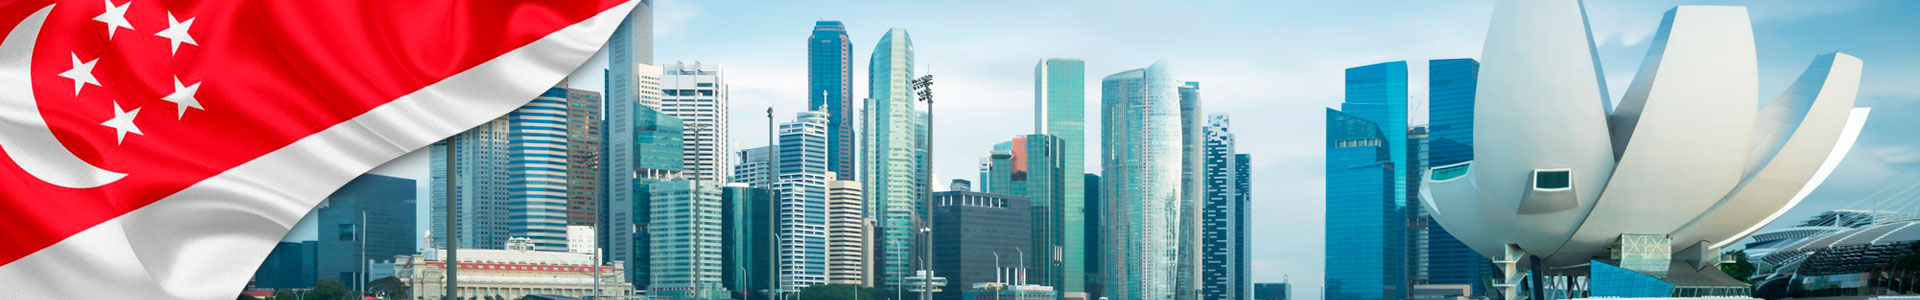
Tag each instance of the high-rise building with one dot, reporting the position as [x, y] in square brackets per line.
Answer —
[474, 163]
[370, 218]
[583, 157]
[1045, 187]
[830, 90]
[538, 178]
[1451, 88]
[631, 45]
[754, 166]
[1365, 229]
[1060, 110]
[803, 193]
[1243, 194]
[747, 265]
[632, 81]
[1142, 159]
[1273, 291]
[1224, 260]
[980, 238]
[289, 266]
[1193, 191]
[697, 94]
[686, 240]
[1005, 171]
[1095, 235]
[892, 162]
[1417, 219]
[649, 152]
[847, 234]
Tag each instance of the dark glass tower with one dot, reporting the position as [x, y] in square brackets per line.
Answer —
[1365, 229]
[377, 209]
[830, 90]
[1450, 88]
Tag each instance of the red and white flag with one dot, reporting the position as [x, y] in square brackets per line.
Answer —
[158, 149]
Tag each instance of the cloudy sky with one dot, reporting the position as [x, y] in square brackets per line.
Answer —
[1272, 65]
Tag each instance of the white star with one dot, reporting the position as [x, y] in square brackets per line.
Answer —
[115, 17]
[122, 123]
[177, 31]
[183, 96]
[82, 73]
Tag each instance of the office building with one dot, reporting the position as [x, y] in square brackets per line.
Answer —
[847, 234]
[1365, 229]
[471, 168]
[1193, 192]
[754, 166]
[1095, 235]
[652, 147]
[686, 240]
[1224, 261]
[1005, 168]
[583, 157]
[1273, 291]
[697, 94]
[1060, 88]
[370, 218]
[892, 159]
[632, 82]
[581, 239]
[747, 266]
[1451, 87]
[1003, 291]
[512, 273]
[289, 266]
[830, 90]
[1142, 159]
[538, 177]
[802, 188]
[981, 238]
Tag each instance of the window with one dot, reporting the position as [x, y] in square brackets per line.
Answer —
[349, 231]
[1552, 179]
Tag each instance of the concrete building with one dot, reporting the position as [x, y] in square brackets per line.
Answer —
[686, 240]
[370, 218]
[1002, 291]
[847, 230]
[512, 273]
[697, 94]
[581, 239]
[892, 163]
[802, 185]
[981, 238]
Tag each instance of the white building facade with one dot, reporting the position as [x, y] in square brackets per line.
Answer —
[802, 186]
[847, 234]
[513, 273]
[697, 94]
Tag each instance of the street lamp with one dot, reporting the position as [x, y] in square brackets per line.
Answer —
[924, 88]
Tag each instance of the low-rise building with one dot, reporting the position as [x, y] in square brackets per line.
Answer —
[512, 273]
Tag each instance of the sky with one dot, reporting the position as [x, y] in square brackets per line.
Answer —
[1273, 66]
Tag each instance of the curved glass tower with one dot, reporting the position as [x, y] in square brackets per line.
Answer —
[892, 161]
[1143, 159]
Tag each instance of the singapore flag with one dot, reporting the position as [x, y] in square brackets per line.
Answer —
[158, 149]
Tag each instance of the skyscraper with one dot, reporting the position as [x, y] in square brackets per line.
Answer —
[475, 163]
[1378, 92]
[892, 162]
[1060, 99]
[1044, 185]
[1451, 88]
[830, 89]
[980, 237]
[651, 153]
[754, 166]
[1095, 232]
[802, 186]
[583, 157]
[847, 234]
[289, 266]
[1365, 229]
[1142, 158]
[748, 262]
[631, 45]
[1224, 264]
[1193, 191]
[632, 81]
[512, 175]
[697, 94]
[370, 218]
[686, 240]
[1243, 194]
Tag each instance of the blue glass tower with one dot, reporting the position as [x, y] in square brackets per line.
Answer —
[1365, 228]
[1146, 212]
[830, 89]
[1451, 86]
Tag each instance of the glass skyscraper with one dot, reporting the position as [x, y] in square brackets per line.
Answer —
[686, 240]
[583, 157]
[1143, 157]
[748, 256]
[830, 89]
[1451, 87]
[1365, 229]
[1060, 110]
[892, 162]
[1193, 191]
[653, 147]
[369, 218]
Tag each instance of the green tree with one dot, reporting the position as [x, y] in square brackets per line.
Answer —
[1740, 268]
[292, 295]
[246, 297]
[390, 288]
[328, 289]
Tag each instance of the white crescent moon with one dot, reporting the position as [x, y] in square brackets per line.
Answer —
[23, 134]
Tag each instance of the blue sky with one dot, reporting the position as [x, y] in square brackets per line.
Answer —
[1273, 65]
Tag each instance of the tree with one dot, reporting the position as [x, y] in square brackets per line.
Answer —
[389, 287]
[328, 289]
[292, 295]
[246, 297]
[842, 292]
[1740, 268]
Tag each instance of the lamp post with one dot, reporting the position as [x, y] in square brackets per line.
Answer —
[773, 243]
[924, 88]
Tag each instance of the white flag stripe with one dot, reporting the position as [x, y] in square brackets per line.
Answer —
[207, 240]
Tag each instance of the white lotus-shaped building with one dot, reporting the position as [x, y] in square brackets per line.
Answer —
[1687, 163]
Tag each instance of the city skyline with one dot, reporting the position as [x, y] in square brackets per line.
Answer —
[1621, 31]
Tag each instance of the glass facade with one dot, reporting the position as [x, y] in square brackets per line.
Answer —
[686, 240]
[378, 209]
[1060, 110]
[1224, 246]
[1142, 156]
[1609, 281]
[697, 94]
[1451, 84]
[980, 238]
[893, 161]
[830, 89]
[1365, 227]
[654, 146]
[747, 253]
